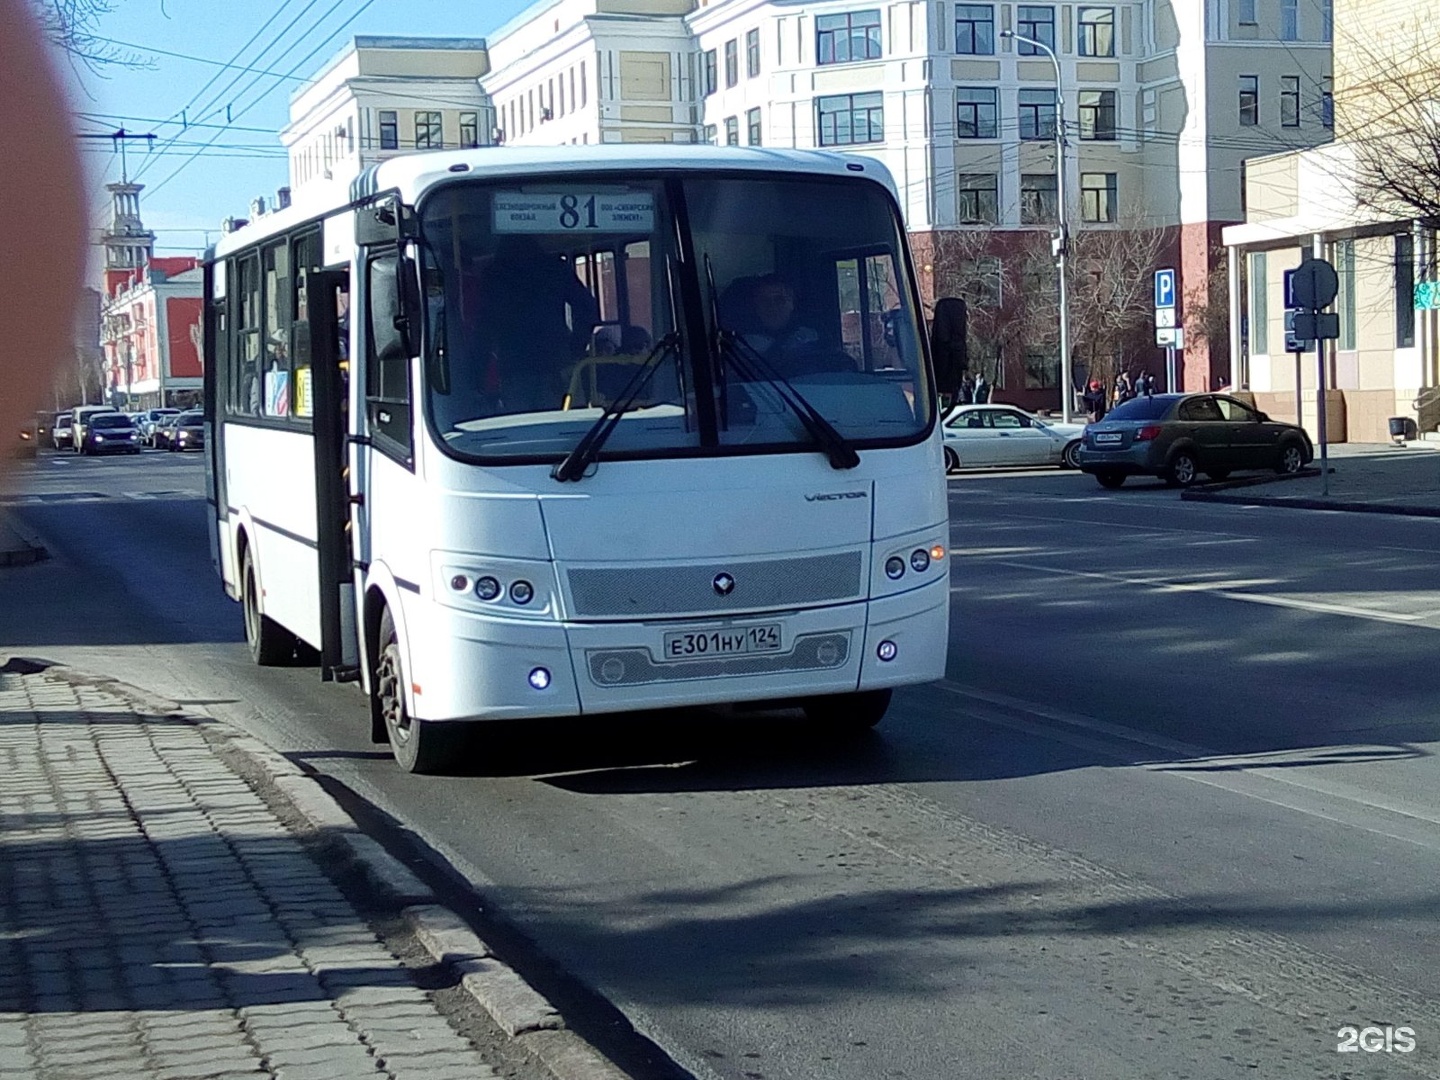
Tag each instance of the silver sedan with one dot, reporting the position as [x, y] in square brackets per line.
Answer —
[1002, 436]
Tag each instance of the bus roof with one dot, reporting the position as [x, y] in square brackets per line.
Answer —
[411, 174]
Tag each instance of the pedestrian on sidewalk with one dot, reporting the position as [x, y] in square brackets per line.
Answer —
[982, 389]
[1124, 389]
[1094, 399]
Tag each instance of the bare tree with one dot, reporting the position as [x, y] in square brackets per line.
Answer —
[1387, 116]
[1207, 309]
[73, 27]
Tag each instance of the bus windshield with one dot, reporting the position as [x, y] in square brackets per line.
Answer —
[546, 298]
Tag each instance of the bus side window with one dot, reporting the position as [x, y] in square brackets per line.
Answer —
[387, 378]
[244, 389]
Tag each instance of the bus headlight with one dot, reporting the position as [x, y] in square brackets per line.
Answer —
[894, 568]
[487, 588]
[540, 678]
[522, 592]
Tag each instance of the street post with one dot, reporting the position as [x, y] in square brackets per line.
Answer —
[1315, 284]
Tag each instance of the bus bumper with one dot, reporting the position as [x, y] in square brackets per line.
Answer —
[468, 667]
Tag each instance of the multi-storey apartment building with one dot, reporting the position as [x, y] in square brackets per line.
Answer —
[383, 96]
[1162, 102]
[1386, 361]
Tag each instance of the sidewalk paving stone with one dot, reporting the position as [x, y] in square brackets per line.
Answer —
[161, 923]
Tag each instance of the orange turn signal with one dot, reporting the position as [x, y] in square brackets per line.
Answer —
[937, 552]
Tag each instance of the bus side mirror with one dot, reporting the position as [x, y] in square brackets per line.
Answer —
[949, 343]
[395, 310]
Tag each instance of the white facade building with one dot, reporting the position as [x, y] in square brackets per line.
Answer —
[384, 96]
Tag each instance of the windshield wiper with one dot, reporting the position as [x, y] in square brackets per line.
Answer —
[587, 450]
[729, 346]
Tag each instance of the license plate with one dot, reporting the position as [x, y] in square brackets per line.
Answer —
[732, 641]
[1107, 436]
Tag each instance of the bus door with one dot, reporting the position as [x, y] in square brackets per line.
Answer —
[325, 300]
[215, 341]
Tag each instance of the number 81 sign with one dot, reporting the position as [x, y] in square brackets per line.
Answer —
[573, 211]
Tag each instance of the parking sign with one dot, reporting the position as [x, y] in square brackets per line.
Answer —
[1164, 288]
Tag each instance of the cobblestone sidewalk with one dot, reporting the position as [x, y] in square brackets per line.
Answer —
[157, 920]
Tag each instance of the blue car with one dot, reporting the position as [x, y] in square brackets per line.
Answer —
[1179, 437]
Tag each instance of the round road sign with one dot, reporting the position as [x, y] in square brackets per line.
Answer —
[1315, 284]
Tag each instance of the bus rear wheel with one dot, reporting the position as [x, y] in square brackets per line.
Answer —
[855, 712]
[419, 746]
[270, 643]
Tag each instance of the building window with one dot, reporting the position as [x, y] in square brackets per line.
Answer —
[975, 29]
[850, 119]
[1327, 102]
[979, 198]
[752, 53]
[752, 124]
[1289, 100]
[389, 130]
[712, 73]
[976, 113]
[732, 131]
[1037, 23]
[1037, 114]
[1327, 20]
[1247, 13]
[712, 134]
[584, 91]
[1345, 303]
[1097, 197]
[1404, 290]
[1259, 304]
[1249, 100]
[732, 62]
[1097, 31]
[1289, 20]
[840, 39]
[469, 129]
[427, 131]
[1042, 371]
[1097, 115]
[1038, 202]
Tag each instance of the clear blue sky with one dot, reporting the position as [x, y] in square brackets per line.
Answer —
[245, 158]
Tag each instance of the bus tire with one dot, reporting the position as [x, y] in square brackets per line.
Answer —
[270, 643]
[853, 712]
[419, 746]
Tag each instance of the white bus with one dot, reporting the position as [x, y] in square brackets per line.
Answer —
[547, 432]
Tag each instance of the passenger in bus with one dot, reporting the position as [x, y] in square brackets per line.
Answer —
[531, 320]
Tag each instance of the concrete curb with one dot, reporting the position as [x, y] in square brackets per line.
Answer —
[1298, 503]
[27, 548]
[512, 1003]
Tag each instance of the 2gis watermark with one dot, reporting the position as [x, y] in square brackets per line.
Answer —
[1375, 1039]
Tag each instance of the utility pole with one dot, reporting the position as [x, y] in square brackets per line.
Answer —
[1060, 246]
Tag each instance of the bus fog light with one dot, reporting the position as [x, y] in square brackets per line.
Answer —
[919, 559]
[540, 678]
[886, 651]
[459, 583]
[522, 592]
[894, 567]
[487, 588]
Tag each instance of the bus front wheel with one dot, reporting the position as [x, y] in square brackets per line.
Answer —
[859, 711]
[270, 643]
[419, 746]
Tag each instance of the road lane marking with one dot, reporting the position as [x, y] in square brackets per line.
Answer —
[1239, 774]
[1222, 589]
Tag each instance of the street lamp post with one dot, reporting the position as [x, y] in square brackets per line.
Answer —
[1062, 242]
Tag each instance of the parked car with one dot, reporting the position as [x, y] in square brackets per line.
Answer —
[148, 421]
[82, 415]
[979, 436]
[62, 430]
[188, 431]
[1180, 436]
[110, 433]
[160, 434]
[27, 445]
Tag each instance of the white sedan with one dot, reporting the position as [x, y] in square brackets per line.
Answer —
[991, 436]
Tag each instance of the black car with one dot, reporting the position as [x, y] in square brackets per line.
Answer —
[29, 440]
[1179, 436]
[187, 433]
[110, 433]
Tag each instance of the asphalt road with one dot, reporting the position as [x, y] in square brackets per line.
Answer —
[1173, 813]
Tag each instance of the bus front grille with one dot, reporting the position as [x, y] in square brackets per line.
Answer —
[632, 667]
[696, 588]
